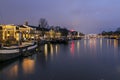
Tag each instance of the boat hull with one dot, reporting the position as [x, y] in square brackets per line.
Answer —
[7, 54]
[29, 50]
[4, 57]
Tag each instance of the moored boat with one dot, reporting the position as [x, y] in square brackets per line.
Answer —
[7, 53]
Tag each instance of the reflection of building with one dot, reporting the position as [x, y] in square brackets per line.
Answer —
[28, 66]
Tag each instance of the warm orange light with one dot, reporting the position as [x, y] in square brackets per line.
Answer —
[14, 71]
[46, 51]
[115, 43]
[28, 66]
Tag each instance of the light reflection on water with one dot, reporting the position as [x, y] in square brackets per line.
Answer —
[101, 42]
[28, 66]
[92, 44]
[115, 43]
[90, 59]
[46, 49]
[14, 71]
[51, 49]
[11, 71]
[78, 46]
[85, 43]
[72, 48]
[56, 49]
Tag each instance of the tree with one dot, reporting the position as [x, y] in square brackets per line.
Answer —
[43, 23]
[26, 23]
[81, 34]
[118, 29]
[64, 31]
[104, 33]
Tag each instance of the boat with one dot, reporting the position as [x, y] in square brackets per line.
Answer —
[59, 41]
[7, 53]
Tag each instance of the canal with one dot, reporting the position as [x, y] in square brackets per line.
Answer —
[86, 59]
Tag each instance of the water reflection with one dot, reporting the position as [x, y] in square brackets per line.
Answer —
[110, 42]
[96, 61]
[72, 48]
[11, 70]
[28, 66]
[14, 71]
[101, 43]
[115, 43]
[92, 44]
[46, 51]
[78, 46]
[51, 50]
[107, 43]
[85, 43]
[57, 48]
[115, 48]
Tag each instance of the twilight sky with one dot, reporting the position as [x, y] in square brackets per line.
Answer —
[87, 16]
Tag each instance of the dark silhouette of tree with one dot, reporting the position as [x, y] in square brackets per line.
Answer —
[81, 34]
[109, 33]
[26, 23]
[64, 31]
[118, 29]
[43, 23]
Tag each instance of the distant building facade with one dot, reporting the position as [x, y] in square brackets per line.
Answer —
[15, 32]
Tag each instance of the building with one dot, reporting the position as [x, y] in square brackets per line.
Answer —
[8, 32]
[15, 33]
[27, 32]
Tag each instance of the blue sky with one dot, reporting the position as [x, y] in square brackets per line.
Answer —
[87, 16]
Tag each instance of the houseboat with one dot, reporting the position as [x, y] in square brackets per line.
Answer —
[7, 53]
[16, 40]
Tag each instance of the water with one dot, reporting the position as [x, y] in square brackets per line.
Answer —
[93, 59]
